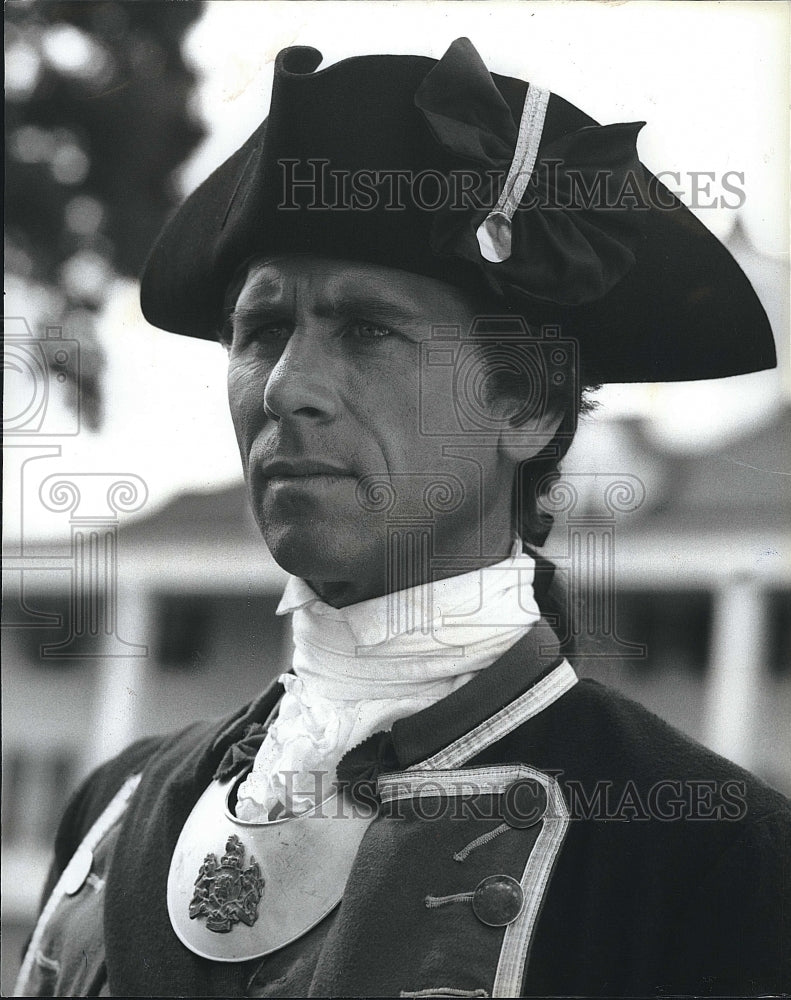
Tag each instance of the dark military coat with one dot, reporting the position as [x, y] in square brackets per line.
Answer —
[646, 866]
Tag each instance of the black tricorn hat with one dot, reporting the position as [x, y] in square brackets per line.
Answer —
[442, 168]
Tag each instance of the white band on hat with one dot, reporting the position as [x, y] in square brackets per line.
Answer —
[494, 233]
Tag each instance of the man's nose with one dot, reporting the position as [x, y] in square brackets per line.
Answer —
[300, 384]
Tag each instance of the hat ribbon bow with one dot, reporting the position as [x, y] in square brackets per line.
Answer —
[568, 217]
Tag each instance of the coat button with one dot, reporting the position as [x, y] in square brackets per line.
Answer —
[77, 871]
[498, 900]
[524, 803]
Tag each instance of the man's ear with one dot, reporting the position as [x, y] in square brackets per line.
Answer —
[522, 436]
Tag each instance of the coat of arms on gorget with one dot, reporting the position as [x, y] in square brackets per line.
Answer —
[227, 892]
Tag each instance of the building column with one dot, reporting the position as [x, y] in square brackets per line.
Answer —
[736, 668]
[120, 683]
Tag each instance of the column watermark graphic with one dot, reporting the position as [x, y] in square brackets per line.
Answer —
[93, 502]
[410, 502]
[588, 506]
[42, 406]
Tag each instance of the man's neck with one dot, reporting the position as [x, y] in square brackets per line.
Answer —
[342, 593]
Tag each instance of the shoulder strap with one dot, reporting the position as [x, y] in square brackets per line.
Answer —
[89, 802]
[99, 828]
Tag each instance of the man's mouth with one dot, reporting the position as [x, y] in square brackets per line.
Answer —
[302, 468]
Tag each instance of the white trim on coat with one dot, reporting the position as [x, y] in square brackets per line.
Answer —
[533, 701]
[512, 965]
[82, 857]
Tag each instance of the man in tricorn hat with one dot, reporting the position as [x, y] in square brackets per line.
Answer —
[418, 268]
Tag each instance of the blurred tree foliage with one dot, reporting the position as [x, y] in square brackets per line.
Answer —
[98, 117]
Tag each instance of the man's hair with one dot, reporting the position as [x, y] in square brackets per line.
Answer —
[568, 396]
[561, 389]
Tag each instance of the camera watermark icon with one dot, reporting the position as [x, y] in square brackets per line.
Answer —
[34, 368]
[498, 356]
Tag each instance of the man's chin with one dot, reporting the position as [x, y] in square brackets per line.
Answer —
[319, 551]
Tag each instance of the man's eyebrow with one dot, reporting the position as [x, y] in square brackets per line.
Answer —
[268, 299]
[265, 289]
[362, 304]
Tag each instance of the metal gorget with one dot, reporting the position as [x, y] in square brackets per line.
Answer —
[239, 890]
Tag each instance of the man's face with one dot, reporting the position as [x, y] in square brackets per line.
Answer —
[325, 389]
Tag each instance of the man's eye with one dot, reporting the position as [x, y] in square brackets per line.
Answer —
[243, 331]
[368, 331]
[271, 332]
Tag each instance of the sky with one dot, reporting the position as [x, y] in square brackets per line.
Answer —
[709, 78]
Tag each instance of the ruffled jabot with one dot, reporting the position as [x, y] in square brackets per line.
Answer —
[358, 669]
